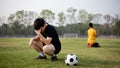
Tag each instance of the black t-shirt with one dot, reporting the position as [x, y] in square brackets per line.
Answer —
[51, 32]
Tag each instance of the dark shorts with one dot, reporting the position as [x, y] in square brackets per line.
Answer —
[57, 49]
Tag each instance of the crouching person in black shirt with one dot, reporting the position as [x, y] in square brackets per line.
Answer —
[46, 41]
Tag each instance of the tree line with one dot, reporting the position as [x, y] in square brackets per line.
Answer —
[73, 21]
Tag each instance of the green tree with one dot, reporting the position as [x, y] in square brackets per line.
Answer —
[29, 17]
[48, 15]
[19, 16]
[107, 18]
[116, 25]
[4, 29]
[83, 16]
[90, 18]
[71, 15]
[16, 28]
[61, 19]
[11, 19]
[117, 28]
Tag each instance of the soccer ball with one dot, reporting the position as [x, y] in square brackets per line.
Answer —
[71, 59]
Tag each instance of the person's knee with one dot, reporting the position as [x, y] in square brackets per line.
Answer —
[31, 42]
[49, 49]
[35, 43]
[89, 45]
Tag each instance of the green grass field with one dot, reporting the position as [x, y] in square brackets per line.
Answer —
[15, 53]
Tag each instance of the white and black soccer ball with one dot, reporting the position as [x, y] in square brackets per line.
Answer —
[71, 59]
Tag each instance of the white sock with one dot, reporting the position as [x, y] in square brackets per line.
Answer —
[54, 55]
[41, 54]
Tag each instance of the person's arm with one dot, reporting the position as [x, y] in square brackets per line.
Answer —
[95, 34]
[47, 40]
[36, 38]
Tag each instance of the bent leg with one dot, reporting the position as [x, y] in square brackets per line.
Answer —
[49, 49]
[89, 45]
[37, 45]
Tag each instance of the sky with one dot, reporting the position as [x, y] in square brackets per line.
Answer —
[111, 7]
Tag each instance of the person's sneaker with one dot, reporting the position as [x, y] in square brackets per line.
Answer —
[53, 58]
[41, 57]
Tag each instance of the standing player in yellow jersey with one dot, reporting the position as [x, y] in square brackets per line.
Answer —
[92, 35]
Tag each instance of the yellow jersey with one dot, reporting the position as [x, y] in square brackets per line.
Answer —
[91, 36]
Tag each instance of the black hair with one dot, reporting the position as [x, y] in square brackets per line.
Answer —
[38, 23]
[91, 24]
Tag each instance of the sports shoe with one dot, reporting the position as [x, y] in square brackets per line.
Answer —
[41, 57]
[53, 58]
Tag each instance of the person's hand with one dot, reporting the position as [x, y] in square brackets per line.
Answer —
[38, 31]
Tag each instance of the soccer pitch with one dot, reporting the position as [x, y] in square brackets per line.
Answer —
[15, 53]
